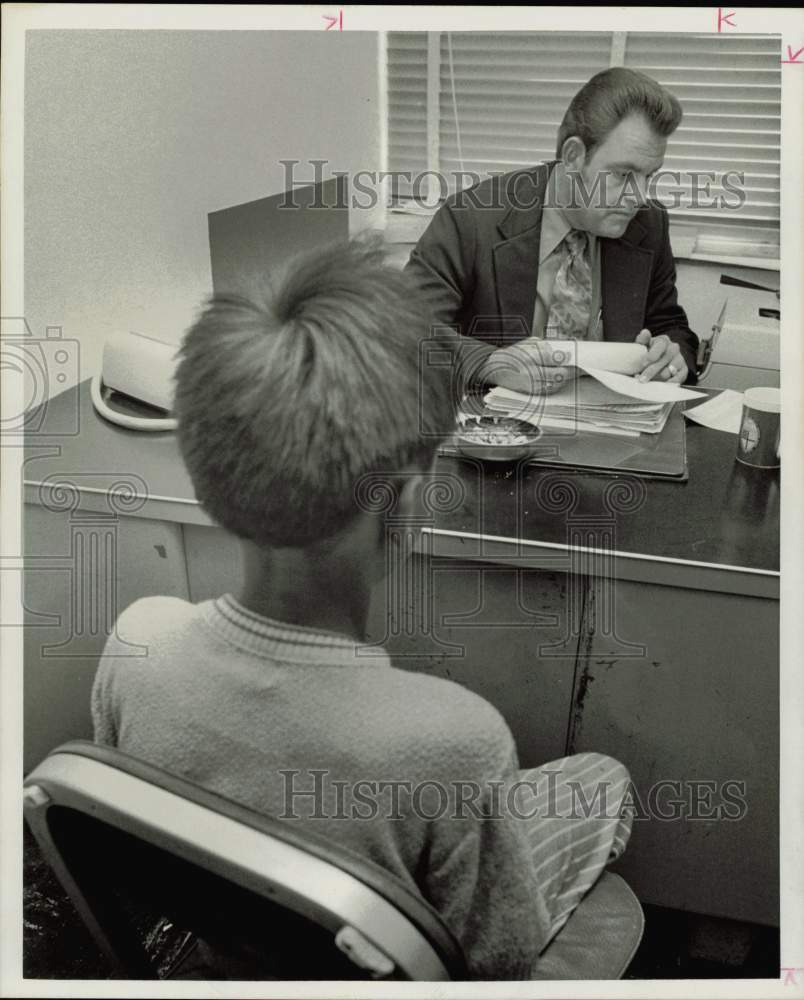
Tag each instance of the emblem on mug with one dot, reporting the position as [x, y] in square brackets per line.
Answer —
[758, 441]
[749, 435]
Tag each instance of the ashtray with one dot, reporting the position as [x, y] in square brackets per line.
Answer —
[496, 438]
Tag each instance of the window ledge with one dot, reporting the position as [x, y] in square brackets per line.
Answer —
[758, 263]
[406, 227]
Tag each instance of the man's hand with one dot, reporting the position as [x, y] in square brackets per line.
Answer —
[530, 367]
[664, 361]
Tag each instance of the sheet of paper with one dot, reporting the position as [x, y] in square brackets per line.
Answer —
[722, 413]
[650, 392]
[606, 355]
[614, 365]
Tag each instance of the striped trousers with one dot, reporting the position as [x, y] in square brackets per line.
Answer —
[577, 824]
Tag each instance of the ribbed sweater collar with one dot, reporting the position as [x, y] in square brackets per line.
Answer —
[275, 640]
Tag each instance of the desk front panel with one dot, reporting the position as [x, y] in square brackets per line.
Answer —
[502, 632]
[82, 568]
[683, 688]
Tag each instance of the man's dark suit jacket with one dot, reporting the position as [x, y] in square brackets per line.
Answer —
[478, 262]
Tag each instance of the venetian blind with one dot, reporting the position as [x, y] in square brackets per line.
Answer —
[730, 89]
[485, 102]
[407, 107]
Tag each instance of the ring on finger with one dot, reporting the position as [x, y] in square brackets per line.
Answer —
[673, 370]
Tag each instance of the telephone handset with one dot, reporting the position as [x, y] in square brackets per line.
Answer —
[135, 388]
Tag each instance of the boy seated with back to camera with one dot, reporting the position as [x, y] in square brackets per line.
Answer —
[287, 406]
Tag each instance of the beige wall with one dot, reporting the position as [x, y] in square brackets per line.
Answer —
[132, 137]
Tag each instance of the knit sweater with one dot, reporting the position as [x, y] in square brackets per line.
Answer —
[251, 708]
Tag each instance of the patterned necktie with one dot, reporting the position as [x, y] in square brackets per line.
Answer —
[568, 318]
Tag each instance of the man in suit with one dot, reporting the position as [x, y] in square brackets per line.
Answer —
[568, 250]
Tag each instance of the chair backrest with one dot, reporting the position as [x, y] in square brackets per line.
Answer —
[120, 833]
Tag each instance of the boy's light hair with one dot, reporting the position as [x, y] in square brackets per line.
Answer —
[286, 399]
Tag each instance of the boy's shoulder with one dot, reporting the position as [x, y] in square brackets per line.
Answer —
[147, 620]
[446, 712]
[439, 694]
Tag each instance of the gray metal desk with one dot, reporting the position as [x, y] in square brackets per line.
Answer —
[636, 618]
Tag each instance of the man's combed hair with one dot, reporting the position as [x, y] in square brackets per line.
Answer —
[285, 400]
[602, 103]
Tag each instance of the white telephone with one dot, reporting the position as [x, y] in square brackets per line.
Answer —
[137, 375]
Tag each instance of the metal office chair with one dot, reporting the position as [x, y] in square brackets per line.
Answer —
[131, 843]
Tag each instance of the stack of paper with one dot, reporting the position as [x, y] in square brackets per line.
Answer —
[582, 405]
[606, 398]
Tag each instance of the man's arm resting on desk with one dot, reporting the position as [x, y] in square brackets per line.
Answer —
[443, 263]
[664, 317]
